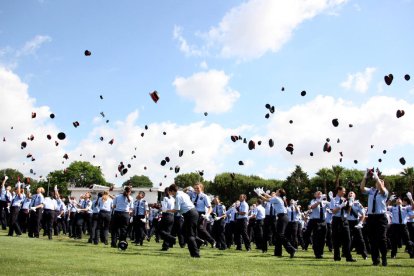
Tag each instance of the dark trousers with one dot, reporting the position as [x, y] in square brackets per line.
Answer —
[178, 230]
[166, 225]
[308, 232]
[240, 232]
[300, 235]
[250, 230]
[318, 237]
[292, 233]
[202, 230]
[102, 232]
[269, 227]
[190, 226]
[72, 225]
[49, 217]
[87, 222]
[23, 219]
[94, 236]
[34, 222]
[229, 233]
[14, 224]
[120, 226]
[398, 232]
[280, 238]
[258, 233]
[341, 237]
[377, 233]
[329, 236]
[139, 229]
[218, 233]
[79, 221]
[410, 227]
[357, 239]
[4, 214]
[60, 224]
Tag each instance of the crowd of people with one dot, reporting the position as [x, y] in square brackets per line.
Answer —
[337, 221]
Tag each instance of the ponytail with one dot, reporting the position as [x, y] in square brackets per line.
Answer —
[125, 193]
[282, 194]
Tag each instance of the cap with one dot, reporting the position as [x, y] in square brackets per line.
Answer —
[163, 162]
[180, 153]
[407, 77]
[101, 138]
[380, 160]
[88, 53]
[146, 127]
[23, 145]
[154, 96]
[56, 143]
[289, 148]
[290, 122]
[76, 124]
[52, 116]
[241, 163]
[384, 151]
[356, 161]
[66, 156]
[167, 159]
[351, 125]
[267, 115]
[177, 169]
[205, 113]
[33, 115]
[234, 138]
[335, 122]
[303, 93]
[311, 154]
[252, 145]
[402, 161]
[327, 147]
[101, 97]
[400, 113]
[283, 88]
[271, 143]
[112, 141]
[388, 79]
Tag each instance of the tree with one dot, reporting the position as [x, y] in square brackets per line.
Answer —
[337, 171]
[297, 185]
[188, 179]
[60, 179]
[325, 175]
[408, 175]
[138, 181]
[84, 174]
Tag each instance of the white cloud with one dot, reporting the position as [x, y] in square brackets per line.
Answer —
[209, 90]
[204, 65]
[256, 27]
[184, 47]
[31, 46]
[359, 81]
[374, 123]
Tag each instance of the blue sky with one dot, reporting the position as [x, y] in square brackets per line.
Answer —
[227, 58]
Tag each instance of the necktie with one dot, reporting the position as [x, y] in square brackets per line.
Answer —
[33, 204]
[399, 214]
[271, 209]
[320, 210]
[137, 212]
[195, 201]
[342, 209]
[291, 214]
[374, 202]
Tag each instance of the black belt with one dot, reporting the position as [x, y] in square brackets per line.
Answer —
[201, 213]
[104, 211]
[281, 215]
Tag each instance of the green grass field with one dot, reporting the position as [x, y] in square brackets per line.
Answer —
[63, 256]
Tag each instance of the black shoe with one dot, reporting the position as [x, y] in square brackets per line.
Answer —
[351, 260]
[89, 241]
[319, 257]
[164, 249]
[238, 249]
[95, 243]
[337, 259]
[195, 256]
[376, 263]
[248, 249]
[384, 262]
[113, 245]
[106, 242]
[292, 253]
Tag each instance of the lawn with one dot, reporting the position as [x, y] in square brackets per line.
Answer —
[63, 256]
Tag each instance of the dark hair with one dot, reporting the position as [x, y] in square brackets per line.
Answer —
[141, 192]
[125, 193]
[339, 188]
[259, 201]
[166, 190]
[100, 194]
[173, 188]
[282, 194]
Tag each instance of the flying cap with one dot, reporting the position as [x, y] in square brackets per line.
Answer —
[335, 122]
[252, 145]
[289, 148]
[407, 77]
[303, 93]
[388, 79]
[271, 143]
[180, 153]
[402, 161]
[88, 53]
[400, 113]
[154, 96]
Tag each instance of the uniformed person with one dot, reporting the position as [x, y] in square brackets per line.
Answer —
[240, 229]
[36, 210]
[398, 229]
[269, 223]
[123, 206]
[167, 220]
[219, 214]
[95, 219]
[49, 208]
[5, 197]
[293, 214]
[185, 206]
[15, 204]
[202, 203]
[355, 219]
[24, 211]
[377, 220]
[230, 224]
[104, 218]
[317, 224]
[140, 217]
[259, 216]
[341, 236]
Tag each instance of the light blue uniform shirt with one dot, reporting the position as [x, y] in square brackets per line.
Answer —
[316, 212]
[357, 210]
[395, 218]
[260, 212]
[5, 193]
[17, 200]
[50, 204]
[292, 210]
[380, 201]
[26, 203]
[201, 201]
[183, 203]
[37, 199]
[410, 214]
[335, 204]
[87, 204]
[278, 204]
[230, 215]
[329, 216]
[122, 204]
[244, 207]
[105, 205]
[167, 203]
[219, 210]
[140, 207]
[154, 213]
[95, 206]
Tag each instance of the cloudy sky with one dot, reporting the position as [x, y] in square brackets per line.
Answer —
[215, 65]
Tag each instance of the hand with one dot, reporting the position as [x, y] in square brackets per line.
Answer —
[410, 196]
[59, 217]
[375, 176]
[6, 177]
[330, 194]
[392, 197]
[144, 220]
[257, 191]
[343, 204]
[28, 188]
[217, 218]
[33, 209]
[56, 188]
[204, 216]
[359, 225]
